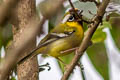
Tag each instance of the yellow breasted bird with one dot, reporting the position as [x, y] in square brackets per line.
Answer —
[65, 36]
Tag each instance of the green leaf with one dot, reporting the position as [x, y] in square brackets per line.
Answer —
[85, 26]
[98, 56]
[66, 59]
[98, 36]
[115, 31]
[105, 24]
[13, 78]
[50, 25]
[114, 14]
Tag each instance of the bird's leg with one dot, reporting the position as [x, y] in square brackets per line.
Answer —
[61, 61]
[62, 52]
[66, 65]
[69, 50]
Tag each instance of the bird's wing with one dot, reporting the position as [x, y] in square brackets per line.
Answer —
[57, 33]
[51, 38]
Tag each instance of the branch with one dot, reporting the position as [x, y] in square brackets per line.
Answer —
[26, 38]
[13, 54]
[84, 45]
[5, 9]
[73, 8]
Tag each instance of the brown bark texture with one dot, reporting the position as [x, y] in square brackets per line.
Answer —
[20, 18]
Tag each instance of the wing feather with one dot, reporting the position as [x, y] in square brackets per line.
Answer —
[57, 33]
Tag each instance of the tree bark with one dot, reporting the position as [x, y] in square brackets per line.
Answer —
[21, 16]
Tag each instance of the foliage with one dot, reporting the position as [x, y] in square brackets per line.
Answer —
[115, 22]
[98, 56]
[5, 35]
[66, 59]
[13, 78]
[97, 52]
[98, 37]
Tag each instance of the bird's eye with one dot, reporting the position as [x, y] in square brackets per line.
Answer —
[71, 18]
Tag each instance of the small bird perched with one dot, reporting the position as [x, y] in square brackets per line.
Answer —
[63, 39]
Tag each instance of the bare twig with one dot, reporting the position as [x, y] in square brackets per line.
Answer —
[73, 8]
[84, 45]
[82, 70]
[79, 16]
[71, 5]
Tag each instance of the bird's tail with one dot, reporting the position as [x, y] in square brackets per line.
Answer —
[37, 50]
[32, 54]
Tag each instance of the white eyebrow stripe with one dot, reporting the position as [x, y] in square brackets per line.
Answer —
[66, 18]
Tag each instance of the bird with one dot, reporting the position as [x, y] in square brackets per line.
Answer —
[63, 39]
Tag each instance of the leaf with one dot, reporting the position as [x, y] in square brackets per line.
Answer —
[84, 6]
[105, 24]
[115, 1]
[50, 25]
[115, 31]
[98, 36]
[113, 14]
[86, 9]
[13, 78]
[66, 59]
[98, 56]
[85, 26]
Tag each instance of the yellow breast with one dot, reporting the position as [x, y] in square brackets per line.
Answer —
[79, 28]
[74, 40]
